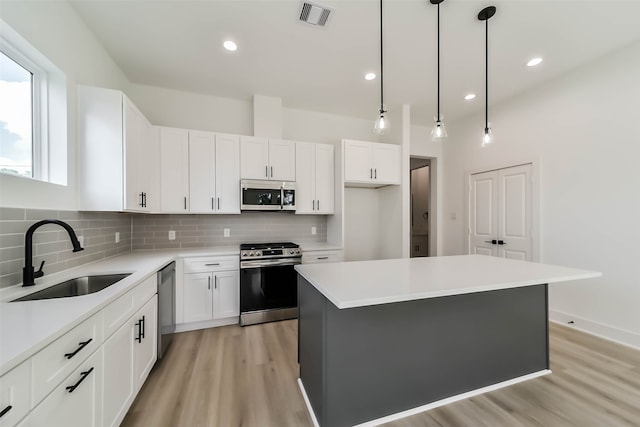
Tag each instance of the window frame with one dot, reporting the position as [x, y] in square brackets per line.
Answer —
[39, 109]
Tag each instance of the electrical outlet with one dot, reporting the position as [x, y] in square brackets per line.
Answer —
[81, 240]
[227, 232]
[172, 234]
[314, 230]
[117, 237]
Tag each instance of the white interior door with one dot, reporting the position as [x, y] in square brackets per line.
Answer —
[483, 213]
[501, 213]
[515, 213]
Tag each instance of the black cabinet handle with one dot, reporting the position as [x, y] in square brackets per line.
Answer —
[144, 199]
[81, 346]
[501, 242]
[185, 203]
[271, 171]
[218, 203]
[493, 242]
[143, 326]
[141, 200]
[83, 375]
[371, 173]
[318, 204]
[375, 173]
[322, 257]
[5, 410]
[212, 204]
[139, 337]
[266, 171]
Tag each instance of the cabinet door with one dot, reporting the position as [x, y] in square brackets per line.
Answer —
[15, 390]
[145, 347]
[174, 170]
[282, 160]
[226, 297]
[118, 375]
[198, 297]
[133, 135]
[202, 175]
[386, 163]
[149, 167]
[227, 174]
[254, 157]
[305, 178]
[324, 179]
[357, 161]
[76, 402]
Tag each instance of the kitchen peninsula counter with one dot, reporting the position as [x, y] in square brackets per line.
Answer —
[380, 340]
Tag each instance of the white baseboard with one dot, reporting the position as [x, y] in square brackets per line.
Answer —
[431, 405]
[184, 327]
[607, 332]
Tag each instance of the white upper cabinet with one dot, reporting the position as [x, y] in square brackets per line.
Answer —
[314, 178]
[227, 168]
[174, 170]
[371, 164]
[202, 173]
[271, 159]
[118, 165]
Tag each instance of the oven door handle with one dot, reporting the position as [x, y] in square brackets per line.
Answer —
[268, 263]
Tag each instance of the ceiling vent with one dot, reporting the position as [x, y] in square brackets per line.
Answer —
[314, 14]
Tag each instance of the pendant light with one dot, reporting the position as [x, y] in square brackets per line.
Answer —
[381, 125]
[484, 15]
[439, 131]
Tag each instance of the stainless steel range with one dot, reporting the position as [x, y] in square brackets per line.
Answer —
[268, 282]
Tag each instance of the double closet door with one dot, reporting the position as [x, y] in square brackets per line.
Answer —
[501, 213]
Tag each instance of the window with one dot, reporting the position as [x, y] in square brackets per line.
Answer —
[16, 117]
[33, 113]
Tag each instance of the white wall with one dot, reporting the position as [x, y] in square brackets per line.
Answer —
[585, 130]
[57, 32]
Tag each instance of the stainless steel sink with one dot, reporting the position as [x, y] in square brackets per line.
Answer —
[74, 287]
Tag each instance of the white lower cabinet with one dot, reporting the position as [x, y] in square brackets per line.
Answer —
[129, 355]
[315, 257]
[14, 394]
[211, 288]
[90, 375]
[76, 402]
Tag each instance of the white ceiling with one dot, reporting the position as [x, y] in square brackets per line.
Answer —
[178, 44]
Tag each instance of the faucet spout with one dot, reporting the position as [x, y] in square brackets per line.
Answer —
[28, 273]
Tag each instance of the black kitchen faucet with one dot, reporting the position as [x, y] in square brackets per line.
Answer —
[28, 273]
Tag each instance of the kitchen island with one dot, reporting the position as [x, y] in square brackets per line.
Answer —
[380, 340]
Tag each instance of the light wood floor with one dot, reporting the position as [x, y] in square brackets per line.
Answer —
[233, 376]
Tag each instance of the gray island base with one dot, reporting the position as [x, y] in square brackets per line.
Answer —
[366, 363]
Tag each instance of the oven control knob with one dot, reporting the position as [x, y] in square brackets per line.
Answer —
[253, 253]
[244, 254]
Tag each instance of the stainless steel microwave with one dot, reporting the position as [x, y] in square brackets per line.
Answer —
[258, 195]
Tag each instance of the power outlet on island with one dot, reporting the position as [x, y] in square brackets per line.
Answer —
[314, 230]
[227, 232]
[172, 234]
[117, 237]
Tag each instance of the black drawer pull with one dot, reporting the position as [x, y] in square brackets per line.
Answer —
[83, 375]
[139, 337]
[143, 326]
[5, 410]
[323, 257]
[82, 345]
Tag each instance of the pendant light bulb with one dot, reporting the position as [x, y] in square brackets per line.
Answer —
[487, 136]
[439, 131]
[381, 125]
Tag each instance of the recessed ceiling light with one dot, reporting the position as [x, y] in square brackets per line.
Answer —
[229, 45]
[533, 62]
[470, 96]
[370, 76]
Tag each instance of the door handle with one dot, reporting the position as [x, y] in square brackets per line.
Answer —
[271, 171]
[375, 173]
[185, 203]
[83, 375]
[218, 203]
[266, 171]
[371, 173]
[502, 242]
[493, 242]
[209, 282]
[215, 282]
[212, 204]
[80, 347]
[143, 326]
[318, 204]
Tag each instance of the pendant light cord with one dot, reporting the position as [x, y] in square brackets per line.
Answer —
[438, 26]
[486, 76]
[381, 66]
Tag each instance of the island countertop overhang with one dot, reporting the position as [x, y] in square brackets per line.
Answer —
[366, 283]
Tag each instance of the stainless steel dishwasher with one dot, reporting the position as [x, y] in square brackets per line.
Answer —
[166, 307]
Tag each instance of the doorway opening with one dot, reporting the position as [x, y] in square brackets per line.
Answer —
[421, 206]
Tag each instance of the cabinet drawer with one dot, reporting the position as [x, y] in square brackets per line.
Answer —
[116, 313]
[14, 394]
[75, 402]
[322, 256]
[57, 360]
[205, 264]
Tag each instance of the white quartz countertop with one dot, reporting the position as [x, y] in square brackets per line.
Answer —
[319, 246]
[364, 283]
[28, 326]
